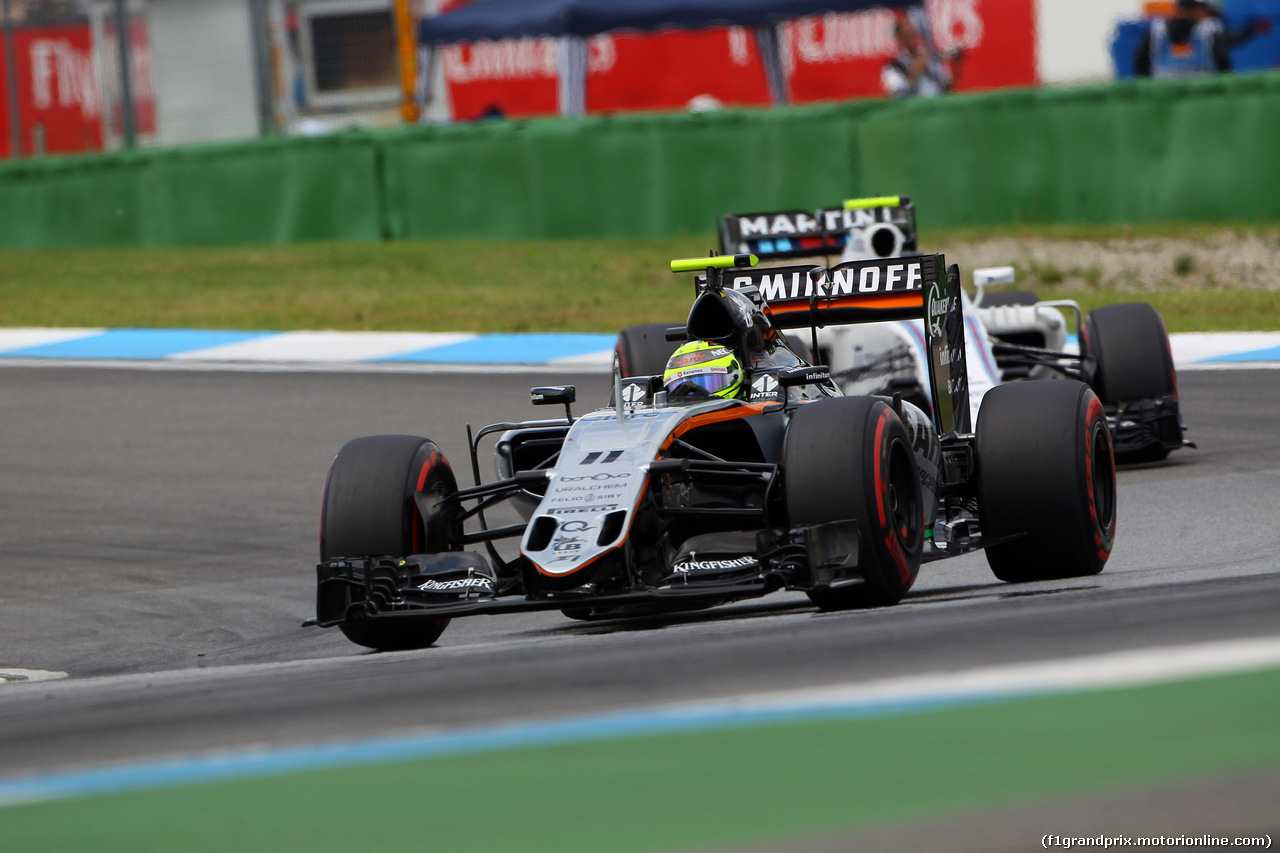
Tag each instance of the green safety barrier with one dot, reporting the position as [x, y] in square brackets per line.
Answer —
[635, 175]
[1135, 151]
[261, 191]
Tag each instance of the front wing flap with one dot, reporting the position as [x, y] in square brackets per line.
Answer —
[462, 583]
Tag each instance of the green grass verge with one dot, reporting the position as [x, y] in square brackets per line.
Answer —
[595, 285]
[678, 792]
[569, 285]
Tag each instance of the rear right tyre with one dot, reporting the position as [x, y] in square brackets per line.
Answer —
[1046, 481]
[644, 350]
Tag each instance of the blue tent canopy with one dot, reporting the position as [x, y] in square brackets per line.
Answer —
[496, 19]
[573, 21]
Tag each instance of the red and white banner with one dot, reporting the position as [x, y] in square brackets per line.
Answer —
[826, 57]
[59, 97]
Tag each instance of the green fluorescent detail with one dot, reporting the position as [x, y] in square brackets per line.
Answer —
[876, 201]
[722, 262]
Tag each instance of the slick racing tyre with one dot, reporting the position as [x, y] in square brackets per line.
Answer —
[1046, 481]
[644, 350]
[369, 510]
[1134, 362]
[851, 458]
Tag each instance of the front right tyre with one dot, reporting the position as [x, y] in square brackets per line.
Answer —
[369, 510]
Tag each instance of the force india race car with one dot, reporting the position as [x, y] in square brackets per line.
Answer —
[665, 501]
[1123, 350]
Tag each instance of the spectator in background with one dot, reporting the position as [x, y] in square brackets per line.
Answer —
[918, 68]
[46, 12]
[1193, 41]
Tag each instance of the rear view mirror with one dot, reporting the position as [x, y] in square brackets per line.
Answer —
[804, 375]
[553, 395]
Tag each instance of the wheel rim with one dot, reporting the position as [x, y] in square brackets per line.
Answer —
[1104, 477]
[903, 500]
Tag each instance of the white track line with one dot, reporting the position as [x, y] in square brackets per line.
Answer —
[1093, 672]
[16, 676]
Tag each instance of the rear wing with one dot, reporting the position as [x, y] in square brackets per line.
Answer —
[921, 287]
[804, 233]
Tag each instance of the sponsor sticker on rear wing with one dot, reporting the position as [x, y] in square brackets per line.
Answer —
[944, 336]
[801, 233]
[920, 287]
[852, 292]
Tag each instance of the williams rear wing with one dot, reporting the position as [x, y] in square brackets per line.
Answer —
[921, 287]
[803, 233]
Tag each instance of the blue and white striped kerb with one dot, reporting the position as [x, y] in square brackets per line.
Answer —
[195, 346]
[1199, 350]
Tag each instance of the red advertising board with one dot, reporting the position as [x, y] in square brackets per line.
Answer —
[59, 96]
[667, 70]
[826, 57]
[837, 56]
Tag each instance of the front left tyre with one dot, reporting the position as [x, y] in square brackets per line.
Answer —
[1134, 366]
[851, 458]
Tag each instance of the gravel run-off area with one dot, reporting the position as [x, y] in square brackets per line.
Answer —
[1220, 259]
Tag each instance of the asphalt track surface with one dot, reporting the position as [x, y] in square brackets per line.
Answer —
[158, 537]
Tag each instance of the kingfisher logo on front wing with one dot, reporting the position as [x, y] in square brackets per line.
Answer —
[689, 566]
[456, 585]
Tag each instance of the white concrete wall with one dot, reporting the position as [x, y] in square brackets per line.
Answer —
[1074, 37]
[202, 66]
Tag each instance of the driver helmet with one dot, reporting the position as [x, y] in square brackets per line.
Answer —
[712, 368]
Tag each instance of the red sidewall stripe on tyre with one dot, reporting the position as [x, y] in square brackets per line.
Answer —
[890, 539]
[432, 458]
[1093, 418]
